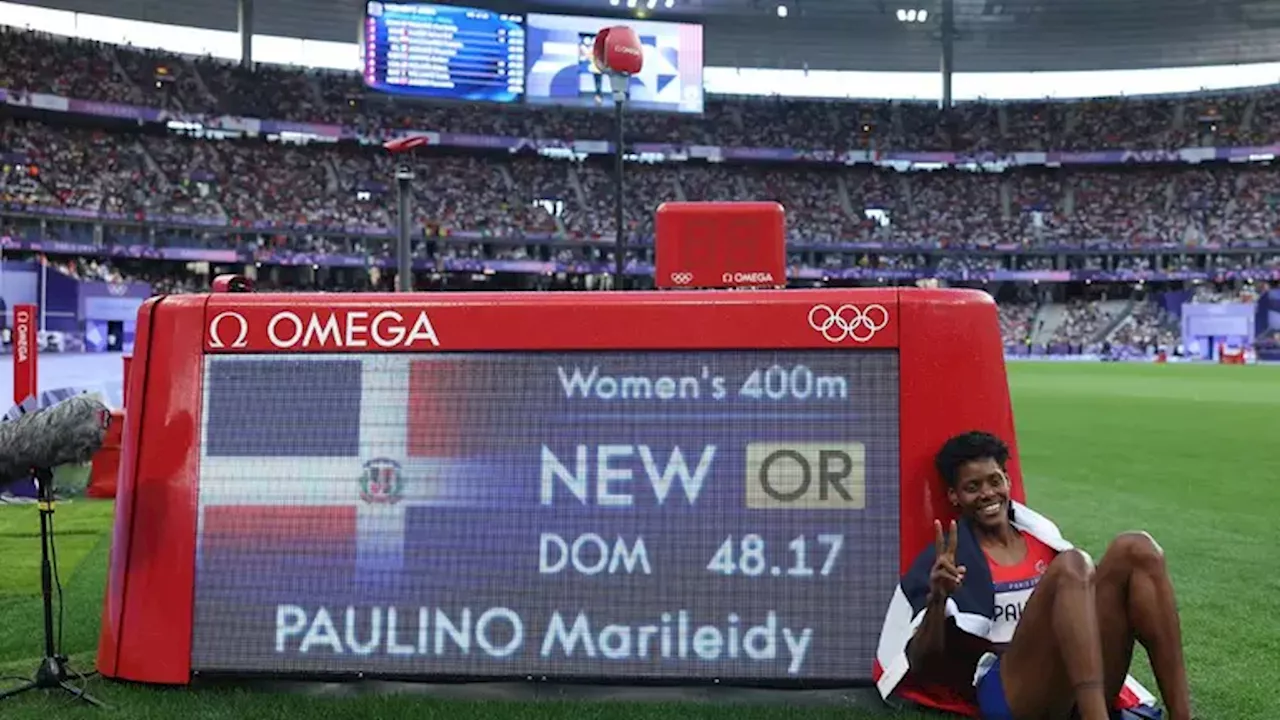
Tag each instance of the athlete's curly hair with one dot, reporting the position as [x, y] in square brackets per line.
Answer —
[967, 447]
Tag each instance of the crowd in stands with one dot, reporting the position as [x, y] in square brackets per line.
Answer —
[252, 183]
[1016, 322]
[1091, 326]
[1082, 323]
[1211, 294]
[33, 62]
[350, 187]
[1116, 328]
[1150, 326]
[38, 63]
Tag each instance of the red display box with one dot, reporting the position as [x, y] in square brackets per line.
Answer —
[720, 245]
[945, 345]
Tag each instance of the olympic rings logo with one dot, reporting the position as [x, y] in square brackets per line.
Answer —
[681, 278]
[848, 322]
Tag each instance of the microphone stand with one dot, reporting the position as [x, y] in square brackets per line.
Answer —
[52, 673]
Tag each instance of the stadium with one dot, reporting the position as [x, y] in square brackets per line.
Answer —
[379, 296]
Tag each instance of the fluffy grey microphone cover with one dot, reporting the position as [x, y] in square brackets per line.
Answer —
[70, 432]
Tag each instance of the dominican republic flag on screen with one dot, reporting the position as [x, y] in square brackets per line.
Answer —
[973, 608]
[325, 458]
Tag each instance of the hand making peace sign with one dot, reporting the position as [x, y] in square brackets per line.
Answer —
[945, 577]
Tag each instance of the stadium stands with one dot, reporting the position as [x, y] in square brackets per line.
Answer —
[32, 62]
[247, 183]
[88, 180]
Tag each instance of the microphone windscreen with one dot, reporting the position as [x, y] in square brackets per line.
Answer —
[70, 432]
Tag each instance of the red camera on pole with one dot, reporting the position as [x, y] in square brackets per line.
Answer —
[405, 143]
[618, 53]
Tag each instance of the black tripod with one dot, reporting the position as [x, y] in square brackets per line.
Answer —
[52, 673]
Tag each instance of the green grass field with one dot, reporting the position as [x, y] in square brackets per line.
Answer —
[1184, 452]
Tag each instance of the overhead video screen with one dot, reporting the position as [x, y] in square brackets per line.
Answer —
[561, 70]
[443, 51]
[615, 515]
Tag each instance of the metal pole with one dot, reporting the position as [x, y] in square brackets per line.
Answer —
[245, 18]
[948, 49]
[620, 251]
[44, 292]
[7, 311]
[404, 245]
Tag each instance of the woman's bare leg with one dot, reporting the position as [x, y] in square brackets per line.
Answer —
[1136, 600]
[1051, 663]
[1055, 660]
[1111, 593]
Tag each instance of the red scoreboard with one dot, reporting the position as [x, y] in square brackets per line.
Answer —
[680, 486]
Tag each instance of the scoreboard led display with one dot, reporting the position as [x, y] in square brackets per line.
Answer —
[619, 514]
[670, 486]
[443, 51]
[562, 71]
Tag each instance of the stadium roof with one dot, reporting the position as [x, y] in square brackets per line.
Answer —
[996, 35]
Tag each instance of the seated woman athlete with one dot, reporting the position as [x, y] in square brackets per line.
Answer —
[1004, 619]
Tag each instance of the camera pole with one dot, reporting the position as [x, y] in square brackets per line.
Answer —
[404, 245]
[620, 246]
[617, 51]
[404, 209]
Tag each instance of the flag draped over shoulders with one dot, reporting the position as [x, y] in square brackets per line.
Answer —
[971, 607]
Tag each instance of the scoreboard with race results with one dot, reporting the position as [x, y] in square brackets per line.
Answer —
[443, 51]
[679, 486]
[626, 514]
